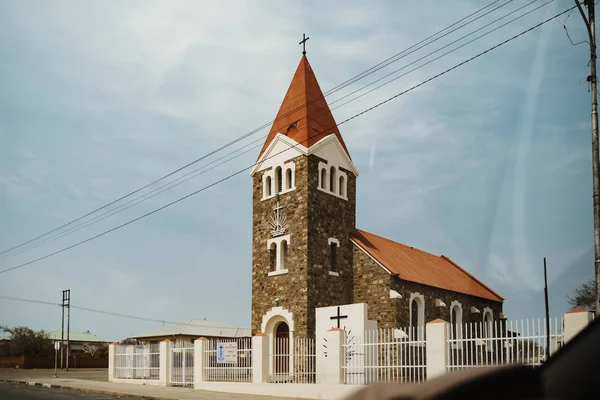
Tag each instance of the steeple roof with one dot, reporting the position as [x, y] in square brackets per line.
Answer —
[304, 115]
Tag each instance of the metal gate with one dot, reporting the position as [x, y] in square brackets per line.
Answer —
[182, 364]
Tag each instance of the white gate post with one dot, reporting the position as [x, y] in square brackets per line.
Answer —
[260, 358]
[575, 321]
[335, 360]
[200, 346]
[436, 333]
[165, 363]
[111, 360]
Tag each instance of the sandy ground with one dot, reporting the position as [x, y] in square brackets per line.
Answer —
[100, 375]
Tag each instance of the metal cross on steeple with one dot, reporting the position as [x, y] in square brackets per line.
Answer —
[303, 43]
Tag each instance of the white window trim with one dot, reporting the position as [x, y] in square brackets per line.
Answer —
[421, 316]
[284, 167]
[278, 272]
[277, 240]
[337, 244]
[488, 339]
[459, 329]
[339, 172]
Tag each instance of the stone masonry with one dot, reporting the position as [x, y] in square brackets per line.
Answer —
[313, 217]
[372, 285]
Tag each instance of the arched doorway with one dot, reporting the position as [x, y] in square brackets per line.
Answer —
[282, 349]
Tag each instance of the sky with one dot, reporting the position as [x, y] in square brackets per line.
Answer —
[488, 164]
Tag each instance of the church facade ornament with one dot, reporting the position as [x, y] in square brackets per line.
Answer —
[278, 221]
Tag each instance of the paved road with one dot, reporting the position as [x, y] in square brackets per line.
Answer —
[14, 391]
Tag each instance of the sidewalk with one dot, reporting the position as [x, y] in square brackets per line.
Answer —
[138, 391]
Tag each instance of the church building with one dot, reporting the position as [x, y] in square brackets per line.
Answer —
[307, 252]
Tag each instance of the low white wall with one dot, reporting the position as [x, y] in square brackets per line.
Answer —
[304, 391]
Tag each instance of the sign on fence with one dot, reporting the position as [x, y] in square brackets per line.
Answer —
[227, 352]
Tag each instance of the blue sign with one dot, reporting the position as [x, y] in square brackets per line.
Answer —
[220, 352]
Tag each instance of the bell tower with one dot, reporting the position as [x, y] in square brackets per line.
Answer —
[304, 209]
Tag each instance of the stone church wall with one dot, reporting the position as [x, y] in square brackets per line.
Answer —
[372, 285]
[405, 288]
[329, 217]
[290, 288]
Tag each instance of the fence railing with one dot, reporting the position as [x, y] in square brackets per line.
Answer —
[228, 360]
[494, 343]
[293, 361]
[182, 364]
[137, 362]
[385, 355]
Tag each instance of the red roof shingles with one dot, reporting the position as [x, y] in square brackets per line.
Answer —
[421, 267]
[304, 115]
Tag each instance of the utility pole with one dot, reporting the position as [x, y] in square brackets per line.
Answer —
[590, 23]
[68, 325]
[65, 303]
[62, 332]
[548, 338]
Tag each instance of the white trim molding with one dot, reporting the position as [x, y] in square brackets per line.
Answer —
[270, 173]
[326, 187]
[333, 240]
[395, 295]
[459, 321]
[278, 272]
[279, 261]
[295, 149]
[420, 300]
[269, 324]
[370, 256]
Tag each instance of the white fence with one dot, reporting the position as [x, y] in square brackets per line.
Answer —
[385, 355]
[228, 360]
[502, 342]
[293, 361]
[137, 362]
[182, 364]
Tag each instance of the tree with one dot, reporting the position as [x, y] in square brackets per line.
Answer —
[26, 341]
[90, 349]
[128, 341]
[584, 296]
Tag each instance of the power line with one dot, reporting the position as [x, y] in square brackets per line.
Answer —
[251, 166]
[331, 91]
[111, 313]
[443, 55]
[172, 184]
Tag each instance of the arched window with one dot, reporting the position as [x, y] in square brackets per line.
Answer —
[342, 187]
[456, 321]
[268, 186]
[414, 319]
[417, 316]
[332, 179]
[333, 254]
[487, 324]
[278, 180]
[273, 257]
[284, 255]
[323, 178]
[288, 175]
